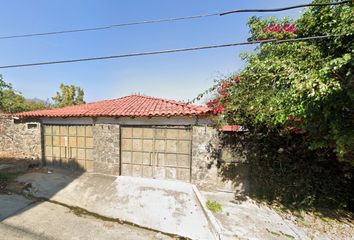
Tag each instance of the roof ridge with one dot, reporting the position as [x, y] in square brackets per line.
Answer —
[106, 100]
[144, 96]
[167, 100]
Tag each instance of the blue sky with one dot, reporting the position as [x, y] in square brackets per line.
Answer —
[179, 76]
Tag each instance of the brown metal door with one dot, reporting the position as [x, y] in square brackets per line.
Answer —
[137, 151]
[156, 152]
[68, 146]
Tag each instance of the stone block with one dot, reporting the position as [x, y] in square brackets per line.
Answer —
[106, 168]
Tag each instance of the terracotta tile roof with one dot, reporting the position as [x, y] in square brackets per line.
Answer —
[129, 106]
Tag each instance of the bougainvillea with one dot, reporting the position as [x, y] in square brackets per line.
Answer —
[272, 28]
[280, 28]
[296, 100]
[294, 124]
[222, 93]
[215, 105]
[311, 81]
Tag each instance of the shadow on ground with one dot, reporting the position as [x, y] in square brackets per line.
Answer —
[290, 175]
[12, 184]
[168, 207]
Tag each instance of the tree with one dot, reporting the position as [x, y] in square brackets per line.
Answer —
[12, 101]
[69, 95]
[297, 101]
[307, 86]
[3, 86]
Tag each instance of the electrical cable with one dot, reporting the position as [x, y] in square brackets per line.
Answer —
[167, 51]
[172, 19]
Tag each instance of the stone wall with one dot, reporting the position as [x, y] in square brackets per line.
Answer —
[213, 166]
[204, 168]
[20, 139]
[216, 166]
[106, 142]
[233, 166]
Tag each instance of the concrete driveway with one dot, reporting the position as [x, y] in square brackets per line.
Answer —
[25, 219]
[167, 206]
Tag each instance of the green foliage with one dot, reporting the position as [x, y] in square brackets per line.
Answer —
[214, 206]
[311, 81]
[37, 104]
[297, 101]
[258, 26]
[3, 84]
[7, 177]
[281, 169]
[69, 95]
[12, 101]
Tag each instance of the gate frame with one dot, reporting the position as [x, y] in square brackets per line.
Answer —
[189, 127]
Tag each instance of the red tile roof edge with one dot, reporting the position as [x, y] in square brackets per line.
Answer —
[136, 106]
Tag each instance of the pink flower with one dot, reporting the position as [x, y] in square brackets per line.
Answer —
[279, 28]
[218, 109]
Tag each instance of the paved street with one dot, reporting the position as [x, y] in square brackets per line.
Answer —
[23, 219]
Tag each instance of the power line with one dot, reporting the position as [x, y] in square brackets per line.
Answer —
[168, 51]
[171, 20]
[286, 8]
[111, 26]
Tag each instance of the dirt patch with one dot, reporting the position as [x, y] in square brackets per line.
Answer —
[11, 166]
[11, 163]
[5, 180]
[340, 225]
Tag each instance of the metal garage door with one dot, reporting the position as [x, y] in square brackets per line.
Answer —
[68, 146]
[156, 152]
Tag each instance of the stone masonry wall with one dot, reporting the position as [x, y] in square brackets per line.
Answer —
[106, 142]
[17, 140]
[233, 166]
[204, 169]
[210, 171]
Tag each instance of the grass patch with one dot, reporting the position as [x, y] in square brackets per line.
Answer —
[274, 233]
[7, 177]
[288, 236]
[214, 206]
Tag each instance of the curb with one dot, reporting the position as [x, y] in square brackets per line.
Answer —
[216, 229]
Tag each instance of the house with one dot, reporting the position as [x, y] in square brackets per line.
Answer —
[134, 135]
